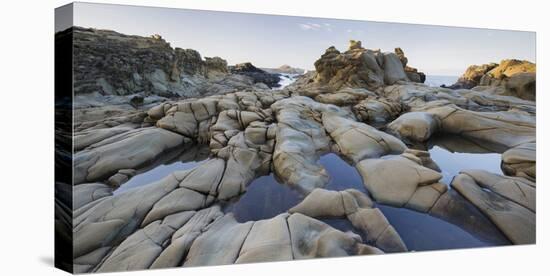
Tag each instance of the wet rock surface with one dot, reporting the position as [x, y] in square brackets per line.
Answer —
[365, 107]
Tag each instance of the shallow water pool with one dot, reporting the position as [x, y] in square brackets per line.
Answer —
[186, 159]
[453, 154]
[155, 174]
[265, 197]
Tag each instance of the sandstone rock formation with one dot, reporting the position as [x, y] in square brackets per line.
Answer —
[364, 68]
[511, 77]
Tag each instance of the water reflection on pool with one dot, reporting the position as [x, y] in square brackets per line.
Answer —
[185, 159]
[422, 232]
[453, 154]
[342, 175]
[265, 197]
[155, 174]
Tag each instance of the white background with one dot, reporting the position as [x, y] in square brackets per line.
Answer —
[26, 146]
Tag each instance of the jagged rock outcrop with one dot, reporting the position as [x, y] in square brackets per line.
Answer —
[364, 68]
[257, 74]
[511, 77]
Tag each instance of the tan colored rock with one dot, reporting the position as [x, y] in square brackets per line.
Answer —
[379, 231]
[358, 67]
[377, 110]
[358, 209]
[515, 221]
[268, 240]
[416, 126]
[358, 141]
[400, 182]
[174, 254]
[88, 192]
[179, 200]
[516, 189]
[300, 139]
[325, 203]
[128, 151]
[505, 129]
[139, 250]
[220, 244]
[521, 161]
[115, 217]
[312, 239]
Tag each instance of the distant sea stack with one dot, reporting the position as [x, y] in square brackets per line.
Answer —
[360, 67]
[511, 77]
[285, 69]
[257, 74]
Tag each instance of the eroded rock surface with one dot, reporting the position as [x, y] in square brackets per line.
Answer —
[510, 77]
[359, 210]
[360, 67]
[369, 107]
[497, 201]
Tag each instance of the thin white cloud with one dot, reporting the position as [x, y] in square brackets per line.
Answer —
[315, 27]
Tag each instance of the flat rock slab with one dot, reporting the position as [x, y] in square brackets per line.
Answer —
[395, 180]
[128, 150]
[515, 221]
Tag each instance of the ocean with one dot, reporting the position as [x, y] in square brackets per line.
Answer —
[435, 80]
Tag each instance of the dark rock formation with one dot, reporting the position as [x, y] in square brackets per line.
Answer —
[257, 74]
[107, 63]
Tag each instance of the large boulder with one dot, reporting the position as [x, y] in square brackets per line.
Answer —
[402, 181]
[357, 141]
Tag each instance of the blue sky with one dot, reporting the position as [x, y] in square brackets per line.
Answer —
[270, 41]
